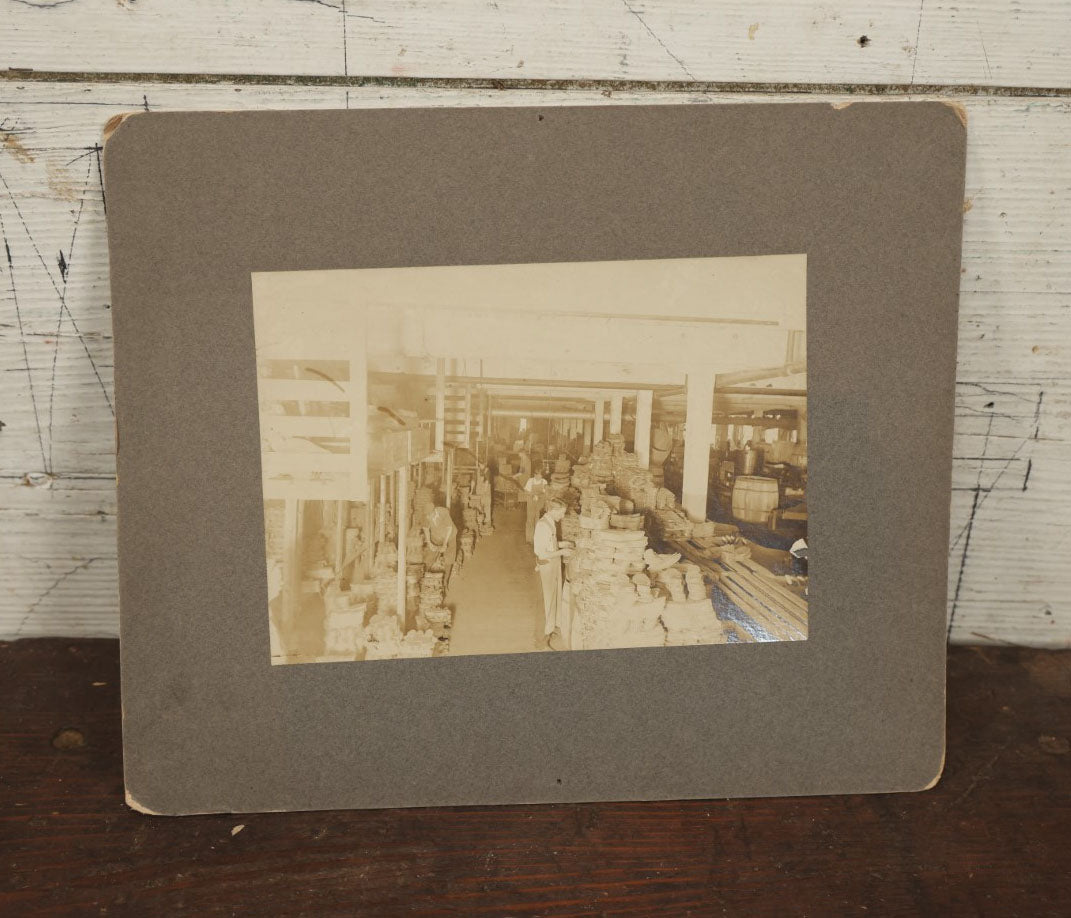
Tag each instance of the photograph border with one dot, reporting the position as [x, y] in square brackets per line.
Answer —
[506, 323]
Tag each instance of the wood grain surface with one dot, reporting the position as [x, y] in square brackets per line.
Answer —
[989, 840]
[904, 42]
[1009, 580]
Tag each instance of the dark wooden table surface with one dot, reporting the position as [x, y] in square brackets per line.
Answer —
[993, 838]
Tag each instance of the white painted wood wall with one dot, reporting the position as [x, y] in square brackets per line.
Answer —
[75, 63]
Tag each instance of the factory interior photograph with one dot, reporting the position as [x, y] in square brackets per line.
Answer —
[501, 459]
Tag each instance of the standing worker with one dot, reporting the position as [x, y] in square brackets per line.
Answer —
[549, 552]
[524, 463]
[535, 496]
[440, 540]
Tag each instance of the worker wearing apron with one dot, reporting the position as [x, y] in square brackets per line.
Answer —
[549, 551]
[535, 496]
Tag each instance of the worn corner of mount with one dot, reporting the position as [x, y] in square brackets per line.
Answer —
[960, 110]
[112, 125]
[940, 772]
[139, 807]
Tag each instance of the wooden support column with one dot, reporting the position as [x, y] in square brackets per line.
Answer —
[484, 420]
[440, 404]
[468, 416]
[616, 404]
[588, 429]
[600, 411]
[342, 510]
[369, 534]
[697, 429]
[401, 516]
[358, 387]
[448, 478]
[291, 565]
[642, 441]
[381, 526]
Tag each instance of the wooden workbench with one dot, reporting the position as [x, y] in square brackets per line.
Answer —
[747, 592]
[991, 838]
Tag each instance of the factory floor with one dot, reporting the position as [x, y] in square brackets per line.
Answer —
[496, 598]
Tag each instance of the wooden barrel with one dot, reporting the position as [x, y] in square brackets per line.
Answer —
[754, 498]
[626, 520]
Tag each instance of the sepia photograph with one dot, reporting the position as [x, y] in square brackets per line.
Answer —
[500, 459]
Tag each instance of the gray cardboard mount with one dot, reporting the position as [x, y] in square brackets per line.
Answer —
[872, 193]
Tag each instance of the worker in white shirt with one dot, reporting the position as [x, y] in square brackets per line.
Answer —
[549, 551]
[535, 496]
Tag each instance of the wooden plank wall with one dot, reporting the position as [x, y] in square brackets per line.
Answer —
[762, 41]
[78, 62]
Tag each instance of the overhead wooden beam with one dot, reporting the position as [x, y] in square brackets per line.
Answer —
[725, 380]
[755, 390]
[541, 413]
[546, 389]
[511, 338]
[586, 388]
[534, 394]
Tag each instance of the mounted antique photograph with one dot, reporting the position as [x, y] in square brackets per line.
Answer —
[502, 459]
[468, 456]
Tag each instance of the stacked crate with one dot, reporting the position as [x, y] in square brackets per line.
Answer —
[669, 524]
[689, 616]
[613, 602]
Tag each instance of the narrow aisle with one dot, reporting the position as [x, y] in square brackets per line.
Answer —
[497, 599]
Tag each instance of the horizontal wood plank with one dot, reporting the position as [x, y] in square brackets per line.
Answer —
[269, 36]
[974, 42]
[1008, 579]
[302, 390]
[301, 425]
[306, 465]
